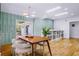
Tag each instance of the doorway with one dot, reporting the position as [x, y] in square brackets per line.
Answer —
[24, 27]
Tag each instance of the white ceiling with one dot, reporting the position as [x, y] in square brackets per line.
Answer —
[41, 8]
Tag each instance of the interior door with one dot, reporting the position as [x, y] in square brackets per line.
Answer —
[74, 29]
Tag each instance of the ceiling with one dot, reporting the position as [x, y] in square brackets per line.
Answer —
[39, 9]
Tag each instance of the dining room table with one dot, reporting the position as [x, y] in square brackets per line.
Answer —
[36, 40]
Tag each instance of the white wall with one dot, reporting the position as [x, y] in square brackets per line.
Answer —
[63, 24]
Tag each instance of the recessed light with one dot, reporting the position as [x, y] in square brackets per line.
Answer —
[65, 8]
[53, 9]
[33, 12]
[72, 14]
[33, 15]
[24, 14]
[27, 16]
[63, 13]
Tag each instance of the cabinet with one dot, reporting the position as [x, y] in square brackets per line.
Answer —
[57, 34]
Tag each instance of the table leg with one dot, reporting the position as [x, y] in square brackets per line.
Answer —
[32, 49]
[49, 47]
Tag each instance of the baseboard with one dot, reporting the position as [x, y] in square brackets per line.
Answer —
[73, 38]
[66, 38]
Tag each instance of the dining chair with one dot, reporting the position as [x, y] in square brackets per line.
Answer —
[20, 47]
[43, 44]
[0, 53]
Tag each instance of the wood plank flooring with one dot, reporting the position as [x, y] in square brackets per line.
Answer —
[65, 47]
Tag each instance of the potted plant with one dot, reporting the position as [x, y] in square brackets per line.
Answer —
[46, 31]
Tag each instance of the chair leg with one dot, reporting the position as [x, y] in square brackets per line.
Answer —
[42, 48]
[35, 48]
[13, 51]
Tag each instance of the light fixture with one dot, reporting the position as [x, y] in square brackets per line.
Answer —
[60, 14]
[28, 13]
[53, 9]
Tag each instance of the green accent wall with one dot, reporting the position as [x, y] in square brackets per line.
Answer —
[8, 26]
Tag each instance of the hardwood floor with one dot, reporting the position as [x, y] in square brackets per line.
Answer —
[65, 47]
[6, 50]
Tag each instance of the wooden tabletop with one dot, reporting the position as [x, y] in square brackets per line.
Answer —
[33, 39]
[36, 39]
